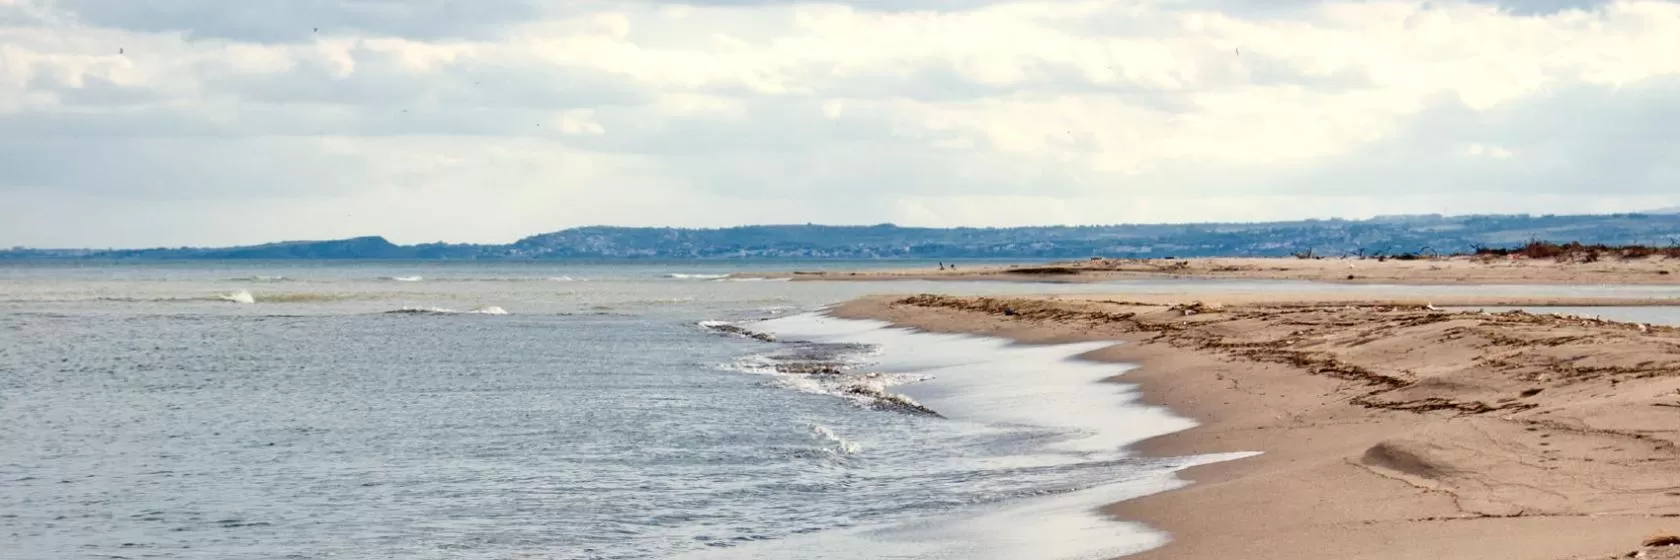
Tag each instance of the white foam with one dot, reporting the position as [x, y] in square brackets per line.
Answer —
[755, 364]
[679, 276]
[833, 442]
[489, 310]
[405, 278]
[241, 296]
[994, 380]
[990, 381]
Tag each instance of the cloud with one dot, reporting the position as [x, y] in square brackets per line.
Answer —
[126, 123]
[297, 20]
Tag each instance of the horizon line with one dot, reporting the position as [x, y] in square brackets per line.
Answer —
[1666, 212]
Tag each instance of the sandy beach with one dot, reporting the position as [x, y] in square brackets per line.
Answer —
[1443, 270]
[1389, 429]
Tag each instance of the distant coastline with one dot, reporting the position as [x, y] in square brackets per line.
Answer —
[1391, 235]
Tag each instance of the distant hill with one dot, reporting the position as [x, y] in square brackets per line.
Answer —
[1669, 210]
[371, 248]
[1382, 235]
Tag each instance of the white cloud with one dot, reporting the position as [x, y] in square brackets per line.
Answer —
[131, 124]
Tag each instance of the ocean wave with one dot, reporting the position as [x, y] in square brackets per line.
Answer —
[873, 392]
[404, 278]
[725, 327]
[561, 278]
[120, 299]
[260, 278]
[755, 279]
[775, 310]
[658, 301]
[825, 369]
[307, 297]
[681, 276]
[241, 296]
[489, 310]
[236, 296]
[246, 296]
[867, 390]
[832, 442]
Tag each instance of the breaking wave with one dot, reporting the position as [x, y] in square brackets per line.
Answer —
[728, 328]
[680, 276]
[236, 296]
[260, 278]
[824, 368]
[832, 442]
[405, 278]
[240, 296]
[245, 296]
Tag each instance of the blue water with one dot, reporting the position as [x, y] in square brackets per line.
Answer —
[424, 410]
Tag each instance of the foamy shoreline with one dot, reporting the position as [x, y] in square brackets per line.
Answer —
[990, 381]
[1395, 473]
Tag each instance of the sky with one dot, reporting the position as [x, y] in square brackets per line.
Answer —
[128, 123]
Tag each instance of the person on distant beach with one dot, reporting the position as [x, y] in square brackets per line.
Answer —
[941, 265]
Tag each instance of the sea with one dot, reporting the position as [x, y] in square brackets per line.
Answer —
[420, 410]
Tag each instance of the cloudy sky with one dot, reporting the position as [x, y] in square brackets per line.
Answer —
[168, 122]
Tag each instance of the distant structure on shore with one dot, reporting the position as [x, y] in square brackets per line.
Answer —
[1390, 235]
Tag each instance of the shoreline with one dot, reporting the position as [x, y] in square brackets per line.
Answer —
[1348, 472]
[976, 384]
[1456, 270]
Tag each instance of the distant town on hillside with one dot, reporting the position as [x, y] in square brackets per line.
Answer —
[1387, 235]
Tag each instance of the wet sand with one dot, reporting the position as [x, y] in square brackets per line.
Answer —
[1445, 270]
[1389, 429]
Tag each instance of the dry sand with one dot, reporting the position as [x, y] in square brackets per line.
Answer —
[1446, 270]
[1388, 431]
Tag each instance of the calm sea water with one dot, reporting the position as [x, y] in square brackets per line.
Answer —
[376, 411]
[262, 410]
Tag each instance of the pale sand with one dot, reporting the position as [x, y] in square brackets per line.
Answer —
[1454, 270]
[1388, 432]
